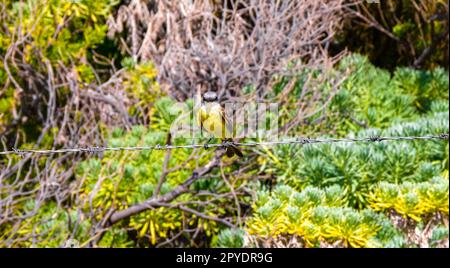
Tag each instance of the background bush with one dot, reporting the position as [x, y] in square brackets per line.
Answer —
[398, 33]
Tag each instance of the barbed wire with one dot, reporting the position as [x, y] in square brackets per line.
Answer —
[297, 141]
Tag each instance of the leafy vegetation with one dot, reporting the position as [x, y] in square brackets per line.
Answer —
[408, 177]
[320, 216]
[398, 33]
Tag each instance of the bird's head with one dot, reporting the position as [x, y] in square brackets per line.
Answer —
[210, 96]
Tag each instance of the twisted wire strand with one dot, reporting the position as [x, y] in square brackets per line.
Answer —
[297, 141]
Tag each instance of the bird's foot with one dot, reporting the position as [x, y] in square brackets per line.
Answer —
[206, 145]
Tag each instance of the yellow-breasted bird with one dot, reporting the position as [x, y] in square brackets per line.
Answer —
[212, 118]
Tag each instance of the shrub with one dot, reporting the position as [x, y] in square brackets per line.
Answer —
[398, 33]
[414, 200]
[319, 216]
[388, 107]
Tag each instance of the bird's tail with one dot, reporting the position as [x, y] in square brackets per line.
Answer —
[233, 150]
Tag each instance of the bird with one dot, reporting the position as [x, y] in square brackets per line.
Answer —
[212, 118]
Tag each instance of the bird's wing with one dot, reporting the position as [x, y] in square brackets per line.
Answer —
[201, 115]
[227, 124]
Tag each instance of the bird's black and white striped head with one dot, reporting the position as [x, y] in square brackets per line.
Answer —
[210, 96]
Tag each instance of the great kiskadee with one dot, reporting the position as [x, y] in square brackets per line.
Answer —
[212, 118]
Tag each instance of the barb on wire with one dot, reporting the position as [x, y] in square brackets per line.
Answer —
[297, 141]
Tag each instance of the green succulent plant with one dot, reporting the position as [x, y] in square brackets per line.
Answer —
[319, 216]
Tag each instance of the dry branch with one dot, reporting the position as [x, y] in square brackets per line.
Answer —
[155, 201]
[229, 45]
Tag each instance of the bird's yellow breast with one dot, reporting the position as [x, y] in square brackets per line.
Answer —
[211, 117]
